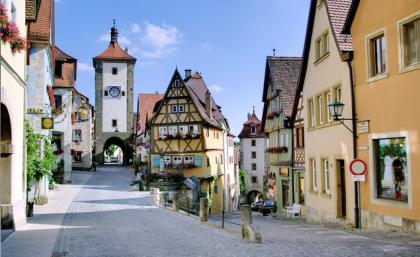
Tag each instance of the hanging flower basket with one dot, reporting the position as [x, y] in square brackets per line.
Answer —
[10, 32]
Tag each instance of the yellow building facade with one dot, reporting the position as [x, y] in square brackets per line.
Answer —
[386, 66]
[187, 136]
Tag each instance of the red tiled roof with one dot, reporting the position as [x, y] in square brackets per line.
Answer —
[42, 30]
[145, 105]
[337, 13]
[114, 52]
[252, 121]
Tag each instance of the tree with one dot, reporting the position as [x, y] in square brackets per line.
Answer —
[243, 174]
[111, 150]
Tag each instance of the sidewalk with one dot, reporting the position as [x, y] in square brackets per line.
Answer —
[38, 236]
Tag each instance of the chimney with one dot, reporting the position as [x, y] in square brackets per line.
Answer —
[187, 73]
[249, 116]
[209, 107]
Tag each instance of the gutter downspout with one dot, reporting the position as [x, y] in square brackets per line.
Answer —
[357, 215]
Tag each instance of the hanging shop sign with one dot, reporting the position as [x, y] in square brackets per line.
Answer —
[31, 110]
[47, 123]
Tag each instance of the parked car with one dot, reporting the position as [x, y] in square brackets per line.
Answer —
[268, 207]
[255, 206]
[114, 159]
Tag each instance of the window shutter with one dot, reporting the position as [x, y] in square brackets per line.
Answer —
[197, 161]
[156, 162]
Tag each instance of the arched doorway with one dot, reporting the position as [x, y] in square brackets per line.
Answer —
[114, 151]
[254, 196]
[6, 169]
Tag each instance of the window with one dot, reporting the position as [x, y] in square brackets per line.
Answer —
[177, 160]
[409, 30]
[254, 166]
[163, 131]
[114, 123]
[329, 100]
[13, 13]
[254, 179]
[325, 176]
[58, 69]
[123, 93]
[77, 156]
[337, 94]
[311, 113]
[58, 99]
[253, 155]
[167, 160]
[183, 130]
[208, 162]
[173, 130]
[105, 92]
[188, 159]
[181, 108]
[174, 108]
[253, 130]
[207, 132]
[377, 55]
[391, 168]
[321, 108]
[176, 83]
[221, 158]
[314, 184]
[193, 129]
[114, 70]
[253, 143]
[321, 46]
[217, 135]
[77, 135]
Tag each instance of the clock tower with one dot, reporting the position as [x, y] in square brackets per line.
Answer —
[114, 74]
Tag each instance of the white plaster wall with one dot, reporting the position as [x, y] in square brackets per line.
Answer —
[246, 150]
[332, 142]
[114, 108]
[85, 145]
[63, 124]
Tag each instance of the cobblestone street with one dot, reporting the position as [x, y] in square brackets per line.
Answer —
[99, 215]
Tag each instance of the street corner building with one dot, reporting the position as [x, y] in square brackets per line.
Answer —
[280, 82]
[114, 79]
[190, 137]
[325, 78]
[386, 65]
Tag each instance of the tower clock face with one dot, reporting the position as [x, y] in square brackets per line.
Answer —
[114, 91]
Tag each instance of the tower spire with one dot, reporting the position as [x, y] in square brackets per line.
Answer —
[114, 34]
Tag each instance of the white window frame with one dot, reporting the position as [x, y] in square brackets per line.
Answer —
[314, 175]
[183, 130]
[372, 157]
[177, 160]
[181, 108]
[173, 130]
[177, 83]
[404, 67]
[167, 160]
[327, 185]
[188, 159]
[174, 108]
[329, 100]
[77, 135]
[253, 130]
[162, 131]
[321, 103]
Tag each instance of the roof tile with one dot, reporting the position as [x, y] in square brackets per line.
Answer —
[337, 12]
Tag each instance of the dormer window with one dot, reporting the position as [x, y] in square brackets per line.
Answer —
[58, 69]
[253, 130]
[176, 83]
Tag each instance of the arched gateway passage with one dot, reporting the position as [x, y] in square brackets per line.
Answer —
[5, 169]
[254, 196]
[115, 151]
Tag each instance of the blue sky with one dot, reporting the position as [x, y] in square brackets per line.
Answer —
[227, 41]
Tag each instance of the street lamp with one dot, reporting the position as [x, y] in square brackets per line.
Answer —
[336, 110]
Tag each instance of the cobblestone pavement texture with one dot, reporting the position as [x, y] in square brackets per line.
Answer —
[105, 218]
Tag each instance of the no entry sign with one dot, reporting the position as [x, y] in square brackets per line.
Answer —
[358, 169]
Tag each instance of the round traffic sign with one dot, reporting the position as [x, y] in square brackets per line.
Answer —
[358, 167]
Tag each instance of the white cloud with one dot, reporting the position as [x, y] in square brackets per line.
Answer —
[124, 40]
[216, 88]
[135, 28]
[104, 37]
[161, 36]
[82, 66]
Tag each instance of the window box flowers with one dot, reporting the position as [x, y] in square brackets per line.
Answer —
[9, 32]
[282, 149]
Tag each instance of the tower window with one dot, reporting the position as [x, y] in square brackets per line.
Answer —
[253, 130]
[114, 70]
[114, 123]
[58, 69]
[176, 83]
[105, 92]
[123, 93]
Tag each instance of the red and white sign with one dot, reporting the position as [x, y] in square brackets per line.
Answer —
[358, 169]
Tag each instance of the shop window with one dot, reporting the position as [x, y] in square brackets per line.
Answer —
[391, 168]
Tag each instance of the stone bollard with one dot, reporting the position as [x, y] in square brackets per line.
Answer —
[162, 200]
[249, 231]
[152, 191]
[175, 206]
[156, 196]
[204, 203]
[246, 214]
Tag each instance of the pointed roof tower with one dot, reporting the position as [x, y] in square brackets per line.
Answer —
[114, 52]
[252, 127]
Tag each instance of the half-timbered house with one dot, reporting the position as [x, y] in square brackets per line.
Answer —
[187, 132]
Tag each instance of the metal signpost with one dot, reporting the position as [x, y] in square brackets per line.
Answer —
[358, 169]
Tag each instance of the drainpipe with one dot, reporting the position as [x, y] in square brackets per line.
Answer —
[357, 215]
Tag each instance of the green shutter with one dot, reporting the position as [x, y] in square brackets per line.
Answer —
[156, 162]
[197, 161]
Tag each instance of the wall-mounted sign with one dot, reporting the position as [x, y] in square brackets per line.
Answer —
[47, 123]
[30, 110]
[284, 172]
[363, 127]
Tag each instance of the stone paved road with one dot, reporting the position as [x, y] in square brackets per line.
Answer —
[107, 219]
